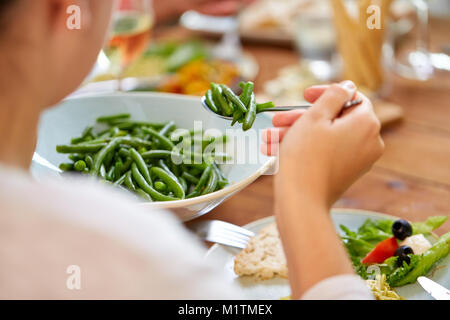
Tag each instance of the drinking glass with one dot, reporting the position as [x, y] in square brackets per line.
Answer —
[415, 61]
[316, 40]
[129, 36]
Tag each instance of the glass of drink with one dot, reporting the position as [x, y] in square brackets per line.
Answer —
[130, 35]
[316, 40]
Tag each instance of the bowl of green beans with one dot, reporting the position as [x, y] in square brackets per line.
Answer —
[164, 150]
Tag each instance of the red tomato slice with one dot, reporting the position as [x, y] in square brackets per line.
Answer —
[385, 249]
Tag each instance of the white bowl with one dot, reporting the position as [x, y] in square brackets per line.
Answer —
[67, 120]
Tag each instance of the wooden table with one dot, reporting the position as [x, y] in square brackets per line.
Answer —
[412, 178]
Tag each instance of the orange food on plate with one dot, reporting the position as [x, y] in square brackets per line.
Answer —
[194, 78]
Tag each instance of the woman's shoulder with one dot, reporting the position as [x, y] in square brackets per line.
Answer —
[86, 203]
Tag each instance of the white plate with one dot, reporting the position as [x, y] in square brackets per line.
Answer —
[279, 288]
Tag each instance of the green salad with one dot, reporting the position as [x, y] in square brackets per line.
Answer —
[399, 249]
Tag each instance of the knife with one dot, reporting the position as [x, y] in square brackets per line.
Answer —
[435, 290]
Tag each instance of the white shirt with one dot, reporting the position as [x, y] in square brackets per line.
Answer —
[78, 240]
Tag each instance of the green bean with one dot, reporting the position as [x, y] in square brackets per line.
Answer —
[189, 177]
[165, 130]
[118, 168]
[237, 114]
[183, 184]
[124, 152]
[193, 194]
[171, 181]
[135, 142]
[107, 119]
[125, 125]
[175, 169]
[160, 186]
[66, 166]
[128, 125]
[208, 157]
[234, 98]
[212, 183]
[129, 181]
[144, 195]
[100, 157]
[214, 141]
[76, 157]
[170, 126]
[260, 107]
[86, 133]
[89, 161]
[210, 101]
[147, 188]
[141, 165]
[114, 131]
[195, 171]
[218, 171]
[110, 174]
[163, 166]
[156, 154]
[204, 177]
[121, 180]
[250, 116]
[121, 133]
[99, 140]
[164, 142]
[222, 184]
[80, 165]
[247, 92]
[127, 164]
[80, 148]
[102, 171]
[108, 159]
[220, 99]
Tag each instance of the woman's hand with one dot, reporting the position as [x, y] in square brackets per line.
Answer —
[324, 149]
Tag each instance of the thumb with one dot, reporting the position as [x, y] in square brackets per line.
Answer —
[331, 102]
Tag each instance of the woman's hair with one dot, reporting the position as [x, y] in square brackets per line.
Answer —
[5, 15]
[4, 4]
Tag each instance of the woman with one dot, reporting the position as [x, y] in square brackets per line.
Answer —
[72, 240]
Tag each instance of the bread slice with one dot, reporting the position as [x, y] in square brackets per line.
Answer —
[263, 258]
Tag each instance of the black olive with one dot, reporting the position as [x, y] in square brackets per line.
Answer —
[402, 254]
[401, 229]
[403, 258]
[403, 250]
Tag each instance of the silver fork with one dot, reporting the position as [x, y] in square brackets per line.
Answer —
[221, 232]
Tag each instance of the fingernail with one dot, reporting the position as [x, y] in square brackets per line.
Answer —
[347, 84]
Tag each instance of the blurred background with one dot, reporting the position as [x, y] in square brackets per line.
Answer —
[180, 47]
[286, 45]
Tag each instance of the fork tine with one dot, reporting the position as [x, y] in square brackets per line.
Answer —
[222, 232]
[233, 228]
[226, 241]
[228, 234]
